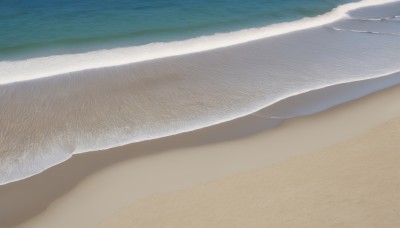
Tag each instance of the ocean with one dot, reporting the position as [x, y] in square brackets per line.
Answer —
[83, 76]
[47, 27]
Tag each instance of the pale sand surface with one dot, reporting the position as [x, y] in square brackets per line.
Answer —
[353, 184]
[45, 121]
[111, 189]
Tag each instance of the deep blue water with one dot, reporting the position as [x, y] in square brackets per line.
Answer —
[43, 27]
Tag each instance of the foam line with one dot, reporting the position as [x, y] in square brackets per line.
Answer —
[45, 121]
[394, 18]
[362, 31]
[22, 70]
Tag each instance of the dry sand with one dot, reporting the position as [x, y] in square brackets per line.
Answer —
[91, 187]
[155, 98]
[354, 184]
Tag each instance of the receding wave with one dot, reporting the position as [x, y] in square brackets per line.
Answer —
[392, 18]
[55, 65]
[47, 120]
[363, 31]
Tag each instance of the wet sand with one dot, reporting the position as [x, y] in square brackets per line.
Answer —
[352, 184]
[46, 121]
[91, 187]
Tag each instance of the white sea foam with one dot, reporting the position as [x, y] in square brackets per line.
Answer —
[14, 71]
[44, 122]
[394, 18]
[363, 31]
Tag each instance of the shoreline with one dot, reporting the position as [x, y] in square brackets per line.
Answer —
[303, 104]
[31, 69]
[57, 117]
[350, 184]
[296, 122]
[179, 167]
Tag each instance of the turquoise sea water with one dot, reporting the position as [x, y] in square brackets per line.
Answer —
[43, 27]
[53, 108]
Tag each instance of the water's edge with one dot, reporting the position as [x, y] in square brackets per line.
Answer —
[58, 65]
[47, 120]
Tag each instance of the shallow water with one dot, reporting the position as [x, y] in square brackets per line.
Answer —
[45, 121]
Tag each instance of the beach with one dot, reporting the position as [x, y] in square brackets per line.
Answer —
[96, 109]
[89, 188]
[352, 184]
[294, 124]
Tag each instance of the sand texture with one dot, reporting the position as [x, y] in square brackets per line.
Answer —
[91, 187]
[353, 184]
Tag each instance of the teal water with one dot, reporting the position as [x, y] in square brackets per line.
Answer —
[53, 108]
[31, 28]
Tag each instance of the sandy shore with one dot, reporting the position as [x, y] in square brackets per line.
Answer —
[353, 184]
[214, 116]
[48, 120]
[89, 188]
